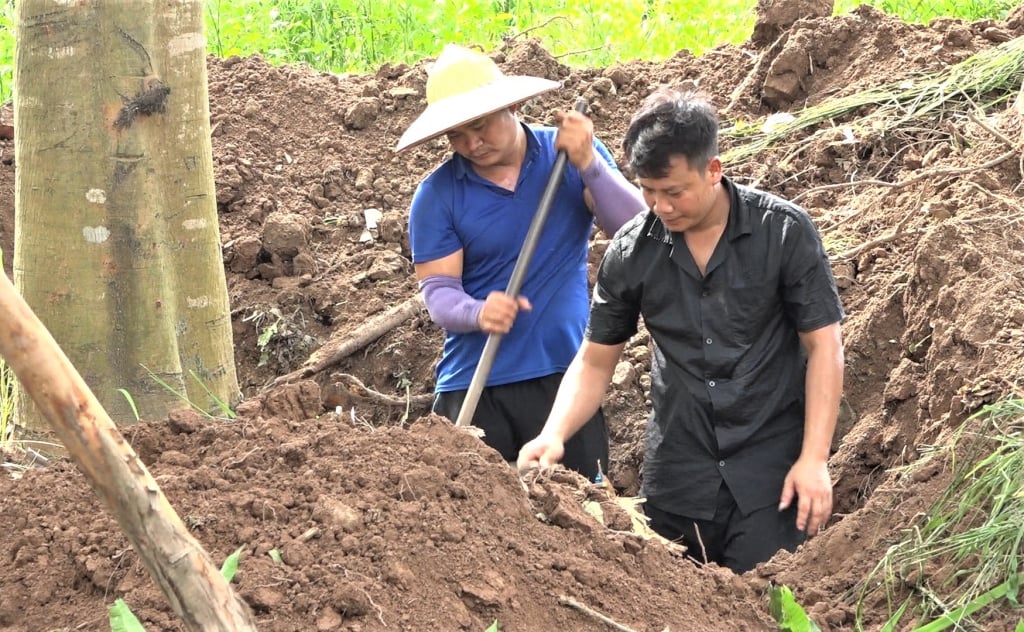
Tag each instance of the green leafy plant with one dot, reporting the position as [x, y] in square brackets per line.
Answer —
[271, 325]
[229, 568]
[789, 614]
[493, 627]
[122, 619]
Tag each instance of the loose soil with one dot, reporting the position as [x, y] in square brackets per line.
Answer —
[386, 517]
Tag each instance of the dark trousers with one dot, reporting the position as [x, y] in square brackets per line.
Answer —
[512, 414]
[731, 539]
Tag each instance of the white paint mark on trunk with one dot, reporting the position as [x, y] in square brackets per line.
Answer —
[60, 52]
[185, 43]
[96, 196]
[95, 234]
[194, 224]
[199, 301]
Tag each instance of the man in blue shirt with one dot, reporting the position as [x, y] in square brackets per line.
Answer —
[467, 225]
[737, 293]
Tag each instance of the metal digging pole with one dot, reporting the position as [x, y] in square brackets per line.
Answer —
[515, 283]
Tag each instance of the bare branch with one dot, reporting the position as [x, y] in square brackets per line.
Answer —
[572, 603]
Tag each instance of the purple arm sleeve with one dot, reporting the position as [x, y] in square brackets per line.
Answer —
[616, 201]
[448, 304]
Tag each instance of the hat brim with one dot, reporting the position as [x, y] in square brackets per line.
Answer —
[452, 112]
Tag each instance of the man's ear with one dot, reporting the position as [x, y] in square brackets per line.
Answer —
[714, 170]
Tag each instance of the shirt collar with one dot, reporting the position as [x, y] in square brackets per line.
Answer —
[737, 225]
[739, 212]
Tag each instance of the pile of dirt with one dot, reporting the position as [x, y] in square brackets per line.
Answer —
[385, 517]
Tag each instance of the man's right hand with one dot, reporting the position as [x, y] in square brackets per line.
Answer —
[543, 451]
[499, 312]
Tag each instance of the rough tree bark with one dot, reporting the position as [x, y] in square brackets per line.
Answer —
[117, 246]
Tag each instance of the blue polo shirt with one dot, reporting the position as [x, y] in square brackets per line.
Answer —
[454, 208]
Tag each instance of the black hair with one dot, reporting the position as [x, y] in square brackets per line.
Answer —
[671, 123]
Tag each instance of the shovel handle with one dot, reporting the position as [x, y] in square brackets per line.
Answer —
[515, 283]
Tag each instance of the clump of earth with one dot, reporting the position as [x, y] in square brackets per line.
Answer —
[358, 510]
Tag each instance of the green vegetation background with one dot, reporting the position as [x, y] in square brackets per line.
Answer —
[361, 35]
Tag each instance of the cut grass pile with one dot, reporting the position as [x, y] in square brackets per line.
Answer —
[978, 83]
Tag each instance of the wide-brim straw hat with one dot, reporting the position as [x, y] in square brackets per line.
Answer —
[464, 85]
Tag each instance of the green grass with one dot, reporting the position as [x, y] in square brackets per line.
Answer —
[362, 35]
[218, 404]
[6, 49]
[6, 402]
[965, 554]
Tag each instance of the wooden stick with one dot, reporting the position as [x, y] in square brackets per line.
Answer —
[388, 400]
[334, 351]
[572, 603]
[884, 239]
[178, 564]
[537, 26]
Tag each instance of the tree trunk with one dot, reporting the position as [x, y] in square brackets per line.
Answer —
[117, 246]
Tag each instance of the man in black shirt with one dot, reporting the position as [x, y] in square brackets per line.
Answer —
[736, 290]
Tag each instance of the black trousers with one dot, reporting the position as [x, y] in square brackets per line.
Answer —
[512, 414]
[731, 539]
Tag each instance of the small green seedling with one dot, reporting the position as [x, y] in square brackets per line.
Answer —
[493, 627]
[131, 402]
[230, 565]
[790, 615]
[122, 619]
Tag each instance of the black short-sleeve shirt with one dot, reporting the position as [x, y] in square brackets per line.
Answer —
[728, 369]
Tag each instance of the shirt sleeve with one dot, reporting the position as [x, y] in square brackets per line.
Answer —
[432, 233]
[809, 292]
[615, 305]
[573, 175]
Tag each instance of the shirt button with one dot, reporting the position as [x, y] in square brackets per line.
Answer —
[721, 464]
[705, 293]
[711, 383]
[707, 341]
